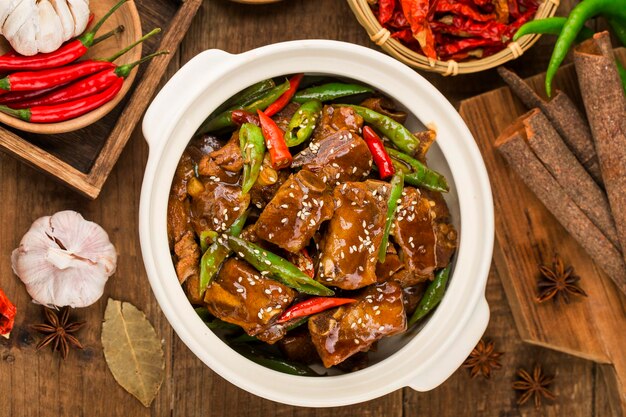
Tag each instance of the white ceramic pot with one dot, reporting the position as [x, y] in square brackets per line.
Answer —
[421, 359]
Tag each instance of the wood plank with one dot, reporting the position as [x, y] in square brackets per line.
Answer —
[529, 235]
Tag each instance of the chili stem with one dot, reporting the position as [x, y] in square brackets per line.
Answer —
[133, 45]
[107, 35]
[88, 38]
[124, 70]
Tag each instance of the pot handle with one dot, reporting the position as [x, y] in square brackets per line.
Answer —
[442, 368]
[170, 101]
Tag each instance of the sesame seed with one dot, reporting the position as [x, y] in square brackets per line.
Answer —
[381, 328]
[260, 315]
[356, 341]
[267, 292]
[240, 290]
[284, 220]
[267, 262]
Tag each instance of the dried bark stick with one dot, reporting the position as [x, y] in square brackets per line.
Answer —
[512, 145]
[569, 173]
[605, 104]
[564, 116]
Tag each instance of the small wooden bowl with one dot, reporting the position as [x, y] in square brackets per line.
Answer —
[256, 1]
[127, 16]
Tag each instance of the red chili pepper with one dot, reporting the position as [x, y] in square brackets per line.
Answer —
[312, 306]
[69, 52]
[240, 117]
[454, 7]
[275, 142]
[7, 315]
[39, 80]
[283, 100]
[381, 158]
[514, 11]
[385, 10]
[398, 20]
[463, 27]
[65, 111]
[416, 12]
[19, 96]
[85, 87]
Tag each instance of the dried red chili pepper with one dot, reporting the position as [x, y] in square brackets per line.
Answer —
[467, 28]
[7, 315]
[514, 11]
[462, 45]
[416, 12]
[385, 10]
[454, 7]
[240, 117]
[398, 20]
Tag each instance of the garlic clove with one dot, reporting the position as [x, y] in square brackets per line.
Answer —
[24, 41]
[80, 12]
[65, 15]
[23, 12]
[64, 260]
[6, 8]
[50, 34]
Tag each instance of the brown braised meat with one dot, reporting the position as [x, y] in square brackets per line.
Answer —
[415, 234]
[218, 206]
[337, 158]
[337, 118]
[225, 163]
[392, 264]
[295, 213]
[267, 184]
[412, 297]
[350, 248]
[446, 233]
[283, 117]
[297, 346]
[344, 331]
[242, 296]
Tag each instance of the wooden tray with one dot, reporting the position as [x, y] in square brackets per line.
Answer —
[528, 235]
[83, 159]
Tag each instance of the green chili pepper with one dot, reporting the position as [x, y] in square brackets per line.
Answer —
[205, 237]
[417, 174]
[329, 92]
[396, 132]
[433, 295]
[397, 185]
[278, 268]
[280, 365]
[224, 119]
[303, 123]
[247, 95]
[217, 253]
[550, 26]
[252, 146]
[585, 10]
[619, 28]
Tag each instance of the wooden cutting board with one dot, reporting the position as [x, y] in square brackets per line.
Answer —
[527, 235]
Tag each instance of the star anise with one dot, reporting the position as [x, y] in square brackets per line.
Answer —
[483, 359]
[59, 331]
[558, 282]
[533, 385]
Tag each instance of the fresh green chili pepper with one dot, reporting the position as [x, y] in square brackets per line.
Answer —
[550, 26]
[303, 123]
[397, 185]
[252, 146]
[396, 132]
[217, 253]
[247, 95]
[432, 296]
[206, 237]
[224, 119]
[329, 92]
[619, 28]
[417, 174]
[280, 365]
[585, 10]
[214, 323]
[278, 268]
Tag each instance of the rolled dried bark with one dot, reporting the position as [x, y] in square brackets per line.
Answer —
[605, 103]
[569, 173]
[513, 146]
[564, 116]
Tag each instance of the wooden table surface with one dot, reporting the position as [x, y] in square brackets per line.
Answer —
[40, 384]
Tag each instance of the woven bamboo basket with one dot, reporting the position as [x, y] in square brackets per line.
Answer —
[382, 37]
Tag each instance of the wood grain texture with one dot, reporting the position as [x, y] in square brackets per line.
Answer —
[529, 236]
[38, 384]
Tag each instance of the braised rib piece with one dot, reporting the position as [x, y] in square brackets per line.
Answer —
[242, 296]
[344, 331]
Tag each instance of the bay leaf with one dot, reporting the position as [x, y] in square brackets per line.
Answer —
[132, 350]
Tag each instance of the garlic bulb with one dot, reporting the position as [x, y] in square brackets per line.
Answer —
[64, 260]
[34, 26]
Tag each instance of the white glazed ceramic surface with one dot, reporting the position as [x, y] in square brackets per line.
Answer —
[421, 360]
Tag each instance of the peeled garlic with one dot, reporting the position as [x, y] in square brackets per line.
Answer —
[34, 26]
[64, 260]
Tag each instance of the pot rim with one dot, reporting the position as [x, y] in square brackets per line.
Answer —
[455, 142]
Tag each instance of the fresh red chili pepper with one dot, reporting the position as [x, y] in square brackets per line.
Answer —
[65, 111]
[240, 117]
[275, 142]
[283, 100]
[7, 315]
[39, 80]
[312, 306]
[85, 87]
[385, 10]
[416, 12]
[69, 52]
[19, 96]
[381, 158]
[454, 7]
